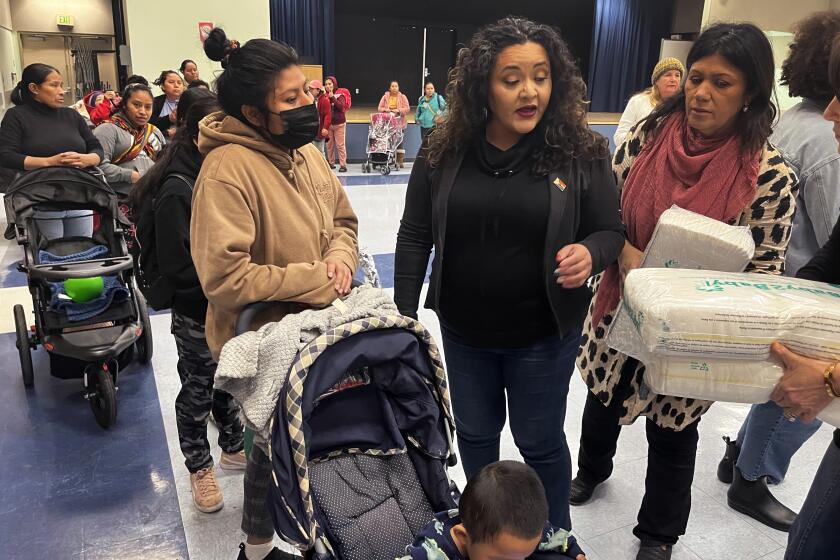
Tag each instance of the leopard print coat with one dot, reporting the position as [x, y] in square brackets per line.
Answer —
[768, 216]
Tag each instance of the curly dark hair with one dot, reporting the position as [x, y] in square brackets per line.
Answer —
[567, 134]
[746, 48]
[834, 68]
[805, 70]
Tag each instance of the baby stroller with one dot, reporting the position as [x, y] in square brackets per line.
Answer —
[98, 332]
[360, 440]
[384, 135]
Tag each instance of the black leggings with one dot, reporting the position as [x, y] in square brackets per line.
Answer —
[663, 516]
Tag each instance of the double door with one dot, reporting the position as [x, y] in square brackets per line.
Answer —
[86, 63]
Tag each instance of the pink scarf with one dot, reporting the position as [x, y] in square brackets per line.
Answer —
[709, 176]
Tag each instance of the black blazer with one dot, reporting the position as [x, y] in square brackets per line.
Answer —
[163, 123]
[584, 208]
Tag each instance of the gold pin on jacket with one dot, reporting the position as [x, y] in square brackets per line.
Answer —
[558, 182]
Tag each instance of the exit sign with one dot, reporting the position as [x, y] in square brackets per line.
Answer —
[66, 21]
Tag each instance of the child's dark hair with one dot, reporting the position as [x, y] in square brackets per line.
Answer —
[163, 75]
[33, 74]
[136, 79]
[198, 84]
[504, 497]
[249, 70]
[131, 90]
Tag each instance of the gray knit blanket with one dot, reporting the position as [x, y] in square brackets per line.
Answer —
[253, 366]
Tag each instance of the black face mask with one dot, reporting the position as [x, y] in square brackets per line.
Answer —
[300, 125]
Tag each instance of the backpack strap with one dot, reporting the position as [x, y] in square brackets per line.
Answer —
[188, 180]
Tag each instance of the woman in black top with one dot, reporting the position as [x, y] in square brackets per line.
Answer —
[165, 107]
[517, 197]
[167, 189]
[41, 132]
[809, 385]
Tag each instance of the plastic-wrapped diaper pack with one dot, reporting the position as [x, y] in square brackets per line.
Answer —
[707, 335]
[684, 239]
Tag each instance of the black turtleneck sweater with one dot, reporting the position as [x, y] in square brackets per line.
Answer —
[493, 286]
[36, 130]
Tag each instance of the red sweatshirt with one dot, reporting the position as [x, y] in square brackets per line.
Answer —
[324, 114]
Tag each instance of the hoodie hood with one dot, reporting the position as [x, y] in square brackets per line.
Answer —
[90, 99]
[218, 129]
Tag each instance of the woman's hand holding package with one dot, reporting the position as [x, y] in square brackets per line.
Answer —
[341, 273]
[802, 389]
[630, 259]
[574, 266]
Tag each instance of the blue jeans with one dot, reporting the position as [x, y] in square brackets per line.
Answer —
[816, 532]
[768, 441]
[55, 224]
[535, 383]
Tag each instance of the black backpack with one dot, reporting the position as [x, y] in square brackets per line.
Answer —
[158, 291]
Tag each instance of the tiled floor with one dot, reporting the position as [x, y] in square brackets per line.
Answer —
[75, 491]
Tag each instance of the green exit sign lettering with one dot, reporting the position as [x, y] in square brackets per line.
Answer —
[64, 20]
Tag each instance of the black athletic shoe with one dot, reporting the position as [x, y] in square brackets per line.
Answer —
[332, 166]
[275, 554]
[581, 491]
[342, 169]
[655, 552]
[754, 498]
[730, 457]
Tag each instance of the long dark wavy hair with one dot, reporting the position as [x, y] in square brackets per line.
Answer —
[567, 134]
[746, 48]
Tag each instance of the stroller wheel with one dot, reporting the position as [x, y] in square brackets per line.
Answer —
[24, 347]
[144, 341]
[102, 395]
[386, 169]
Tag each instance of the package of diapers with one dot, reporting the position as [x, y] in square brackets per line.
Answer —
[684, 239]
[707, 335]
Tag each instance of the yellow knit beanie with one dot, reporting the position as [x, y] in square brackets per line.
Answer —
[664, 65]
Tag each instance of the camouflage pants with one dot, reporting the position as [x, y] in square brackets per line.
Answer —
[197, 399]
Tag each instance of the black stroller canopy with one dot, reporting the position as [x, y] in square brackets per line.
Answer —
[60, 188]
[371, 388]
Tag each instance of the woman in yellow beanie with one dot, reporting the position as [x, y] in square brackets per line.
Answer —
[665, 82]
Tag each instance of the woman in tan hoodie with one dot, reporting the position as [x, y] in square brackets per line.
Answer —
[270, 221]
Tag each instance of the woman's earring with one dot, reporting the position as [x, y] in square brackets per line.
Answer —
[746, 108]
[485, 113]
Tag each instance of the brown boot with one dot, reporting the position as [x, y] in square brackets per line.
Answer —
[400, 160]
[207, 495]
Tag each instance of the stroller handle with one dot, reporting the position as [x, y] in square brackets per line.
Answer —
[97, 267]
[250, 311]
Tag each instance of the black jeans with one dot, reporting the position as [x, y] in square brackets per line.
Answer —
[425, 132]
[663, 516]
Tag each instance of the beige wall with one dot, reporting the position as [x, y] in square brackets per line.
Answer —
[769, 15]
[92, 16]
[161, 43]
[5, 14]
[9, 57]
